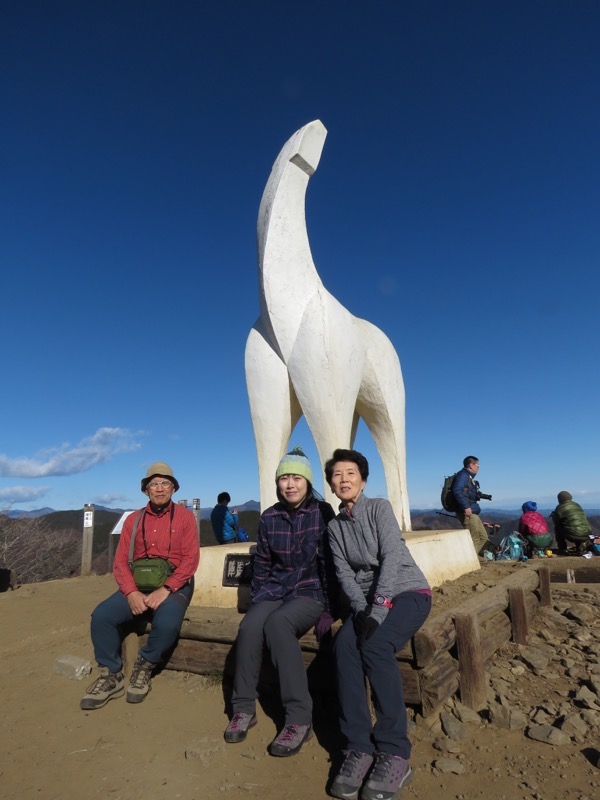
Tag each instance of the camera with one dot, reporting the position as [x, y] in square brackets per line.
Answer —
[482, 496]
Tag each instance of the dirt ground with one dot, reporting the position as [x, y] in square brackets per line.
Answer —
[172, 746]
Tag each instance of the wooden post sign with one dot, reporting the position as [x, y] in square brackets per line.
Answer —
[88, 539]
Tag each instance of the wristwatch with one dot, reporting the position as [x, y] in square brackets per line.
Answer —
[382, 600]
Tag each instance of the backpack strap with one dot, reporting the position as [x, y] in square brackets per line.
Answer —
[133, 532]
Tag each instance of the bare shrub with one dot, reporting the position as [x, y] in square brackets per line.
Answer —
[35, 553]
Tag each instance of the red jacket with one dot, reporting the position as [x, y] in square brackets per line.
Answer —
[178, 542]
[532, 524]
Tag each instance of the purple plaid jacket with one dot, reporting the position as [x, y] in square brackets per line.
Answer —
[289, 560]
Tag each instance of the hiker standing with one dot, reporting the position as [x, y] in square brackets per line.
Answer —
[155, 579]
[465, 490]
[289, 598]
[390, 599]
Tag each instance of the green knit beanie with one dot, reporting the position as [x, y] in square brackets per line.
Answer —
[295, 463]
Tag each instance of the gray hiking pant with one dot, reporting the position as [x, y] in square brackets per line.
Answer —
[278, 624]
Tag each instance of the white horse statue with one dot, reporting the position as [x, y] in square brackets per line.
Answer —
[307, 354]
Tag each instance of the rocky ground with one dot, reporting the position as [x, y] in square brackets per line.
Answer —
[538, 738]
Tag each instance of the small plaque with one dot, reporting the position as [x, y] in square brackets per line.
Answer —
[238, 569]
[88, 519]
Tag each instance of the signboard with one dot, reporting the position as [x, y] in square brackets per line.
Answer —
[88, 519]
[237, 570]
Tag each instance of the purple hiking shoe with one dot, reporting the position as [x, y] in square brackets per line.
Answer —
[238, 728]
[389, 774]
[290, 740]
[351, 775]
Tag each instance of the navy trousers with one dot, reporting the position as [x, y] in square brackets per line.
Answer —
[377, 660]
[112, 616]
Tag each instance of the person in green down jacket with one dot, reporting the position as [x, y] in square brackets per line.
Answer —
[571, 524]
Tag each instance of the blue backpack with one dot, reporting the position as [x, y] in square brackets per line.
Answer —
[511, 548]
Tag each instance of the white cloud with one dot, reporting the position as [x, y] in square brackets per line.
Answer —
[21, 494]
[66, 460]
[110, 499]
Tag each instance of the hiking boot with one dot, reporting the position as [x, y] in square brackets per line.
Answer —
[106, 686]
[389, 774]
[139, 682]
[238, 728]
[290, 740]
[351, 775]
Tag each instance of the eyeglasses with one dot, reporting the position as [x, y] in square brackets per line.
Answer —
[159, 484]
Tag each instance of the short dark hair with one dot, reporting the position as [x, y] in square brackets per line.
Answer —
[347, 455]
[470, 460]
[224, 497]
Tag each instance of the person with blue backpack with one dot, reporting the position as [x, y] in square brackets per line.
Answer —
[465, 490]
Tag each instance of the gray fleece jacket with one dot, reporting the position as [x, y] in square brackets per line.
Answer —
[371, 556]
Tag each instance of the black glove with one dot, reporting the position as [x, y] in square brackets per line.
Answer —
[364, 626]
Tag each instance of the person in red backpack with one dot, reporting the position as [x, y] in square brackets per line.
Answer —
[534, 529]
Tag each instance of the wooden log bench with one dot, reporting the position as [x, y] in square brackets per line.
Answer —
[446, 655]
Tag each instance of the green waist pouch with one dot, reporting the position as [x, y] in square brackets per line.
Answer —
[151, 573]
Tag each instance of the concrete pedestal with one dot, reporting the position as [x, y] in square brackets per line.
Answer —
[442, 555]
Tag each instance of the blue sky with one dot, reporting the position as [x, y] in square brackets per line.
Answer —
[455, 207]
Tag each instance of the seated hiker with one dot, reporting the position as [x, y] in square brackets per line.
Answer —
[571, 524]
[155, 563]
[289, 597]
[390, 600]
[534, 529]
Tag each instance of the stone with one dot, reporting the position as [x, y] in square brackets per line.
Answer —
[586, 698]
[591, 717]
[535, 659]
[449, 765]
[499, 715]
[452, 727]
[548, 734]
[72, 667]
[204, 750]
[579, 612]
[466, 714]
[447, 746]
[573, 724]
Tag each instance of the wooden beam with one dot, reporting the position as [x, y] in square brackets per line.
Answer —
[518, 615]
[471, 674]
[439, 633]
[438, 682]
[545, 588]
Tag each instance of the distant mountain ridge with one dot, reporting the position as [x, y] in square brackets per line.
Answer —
[253, 505]
[249, 505]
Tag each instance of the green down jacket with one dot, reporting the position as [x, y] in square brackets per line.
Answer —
[571, 517]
